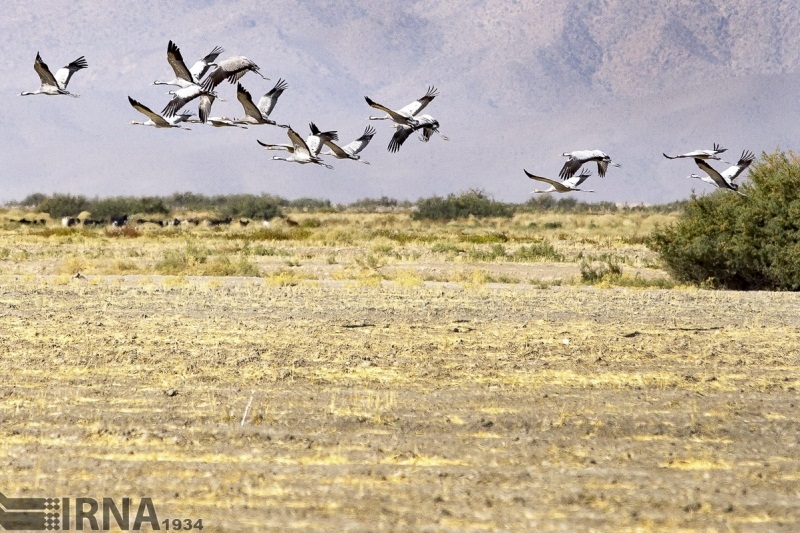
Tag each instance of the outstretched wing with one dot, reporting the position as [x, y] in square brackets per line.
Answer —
[360, 143]
[575, 181]
[201, 66]
[299, 144]
[64, 74]
[146, 111]
[204, 106]
[399, 137]
[288, 147]
[733, 172]
[184, 96]
[337, 150]
[233, 69]
[43, 71]
[250, 109]
[570, 168]
[602, 167]
[175, 60]
[317, 138]
[394, 115]
[554, 183]
[418, 105]
[267, 102]
[713, 174]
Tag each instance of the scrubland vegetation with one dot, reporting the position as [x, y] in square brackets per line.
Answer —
[454, 364]
[543, 242]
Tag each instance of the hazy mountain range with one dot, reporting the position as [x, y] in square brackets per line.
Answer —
[521, 82]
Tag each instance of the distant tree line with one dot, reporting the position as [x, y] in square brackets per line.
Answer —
[473, 203]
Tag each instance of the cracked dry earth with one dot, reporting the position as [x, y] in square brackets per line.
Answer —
[433, 408]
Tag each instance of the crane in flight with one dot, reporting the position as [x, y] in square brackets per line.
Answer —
[300, 151]
[578, 158]
[426, 123]
[701, 154]
[405, 115]
[351, 150]
[725, 179]
[569, 185]
[156, 120]
[186, 77]
[259, 114]
[55, 85]
[232, 69]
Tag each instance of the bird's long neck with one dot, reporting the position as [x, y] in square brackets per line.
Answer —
[378, 118]
[29, 93]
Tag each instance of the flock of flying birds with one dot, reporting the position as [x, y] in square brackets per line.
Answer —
[571, 182]
[200, 83]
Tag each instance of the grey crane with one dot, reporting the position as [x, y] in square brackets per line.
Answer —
[55, 85]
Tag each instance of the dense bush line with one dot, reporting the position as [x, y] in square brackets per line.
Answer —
[472, 203]
[265, 206]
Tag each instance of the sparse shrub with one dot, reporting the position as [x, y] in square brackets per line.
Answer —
[592, 273]
[369, 261]
[472, 203]
[402, 237]
[496, 251]
[274, 234]
[553, 225]
[537, 251]
[193, 260]
[447, 248]
[724, 240]
[310, 223]
[484, 238]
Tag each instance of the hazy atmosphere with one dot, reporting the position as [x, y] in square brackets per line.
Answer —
[520, 82]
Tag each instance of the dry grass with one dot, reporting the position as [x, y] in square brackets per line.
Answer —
[526, 248]
[390, 393]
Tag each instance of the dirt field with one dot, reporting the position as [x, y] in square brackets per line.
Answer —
[437, 407]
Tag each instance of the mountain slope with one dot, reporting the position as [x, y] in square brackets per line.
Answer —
[520, 83]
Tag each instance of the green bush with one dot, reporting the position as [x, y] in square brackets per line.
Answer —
[474, 203]
[262, 207]
[724, 240]
[126, 205]
[63, 205]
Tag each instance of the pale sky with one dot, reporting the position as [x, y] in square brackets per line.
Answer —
[520, 83]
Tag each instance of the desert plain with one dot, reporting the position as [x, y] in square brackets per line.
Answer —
[366, 372]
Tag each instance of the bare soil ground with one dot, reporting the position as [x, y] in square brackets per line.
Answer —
[391, 408]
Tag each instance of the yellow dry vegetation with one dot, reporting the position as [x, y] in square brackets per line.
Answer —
[372, 373]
